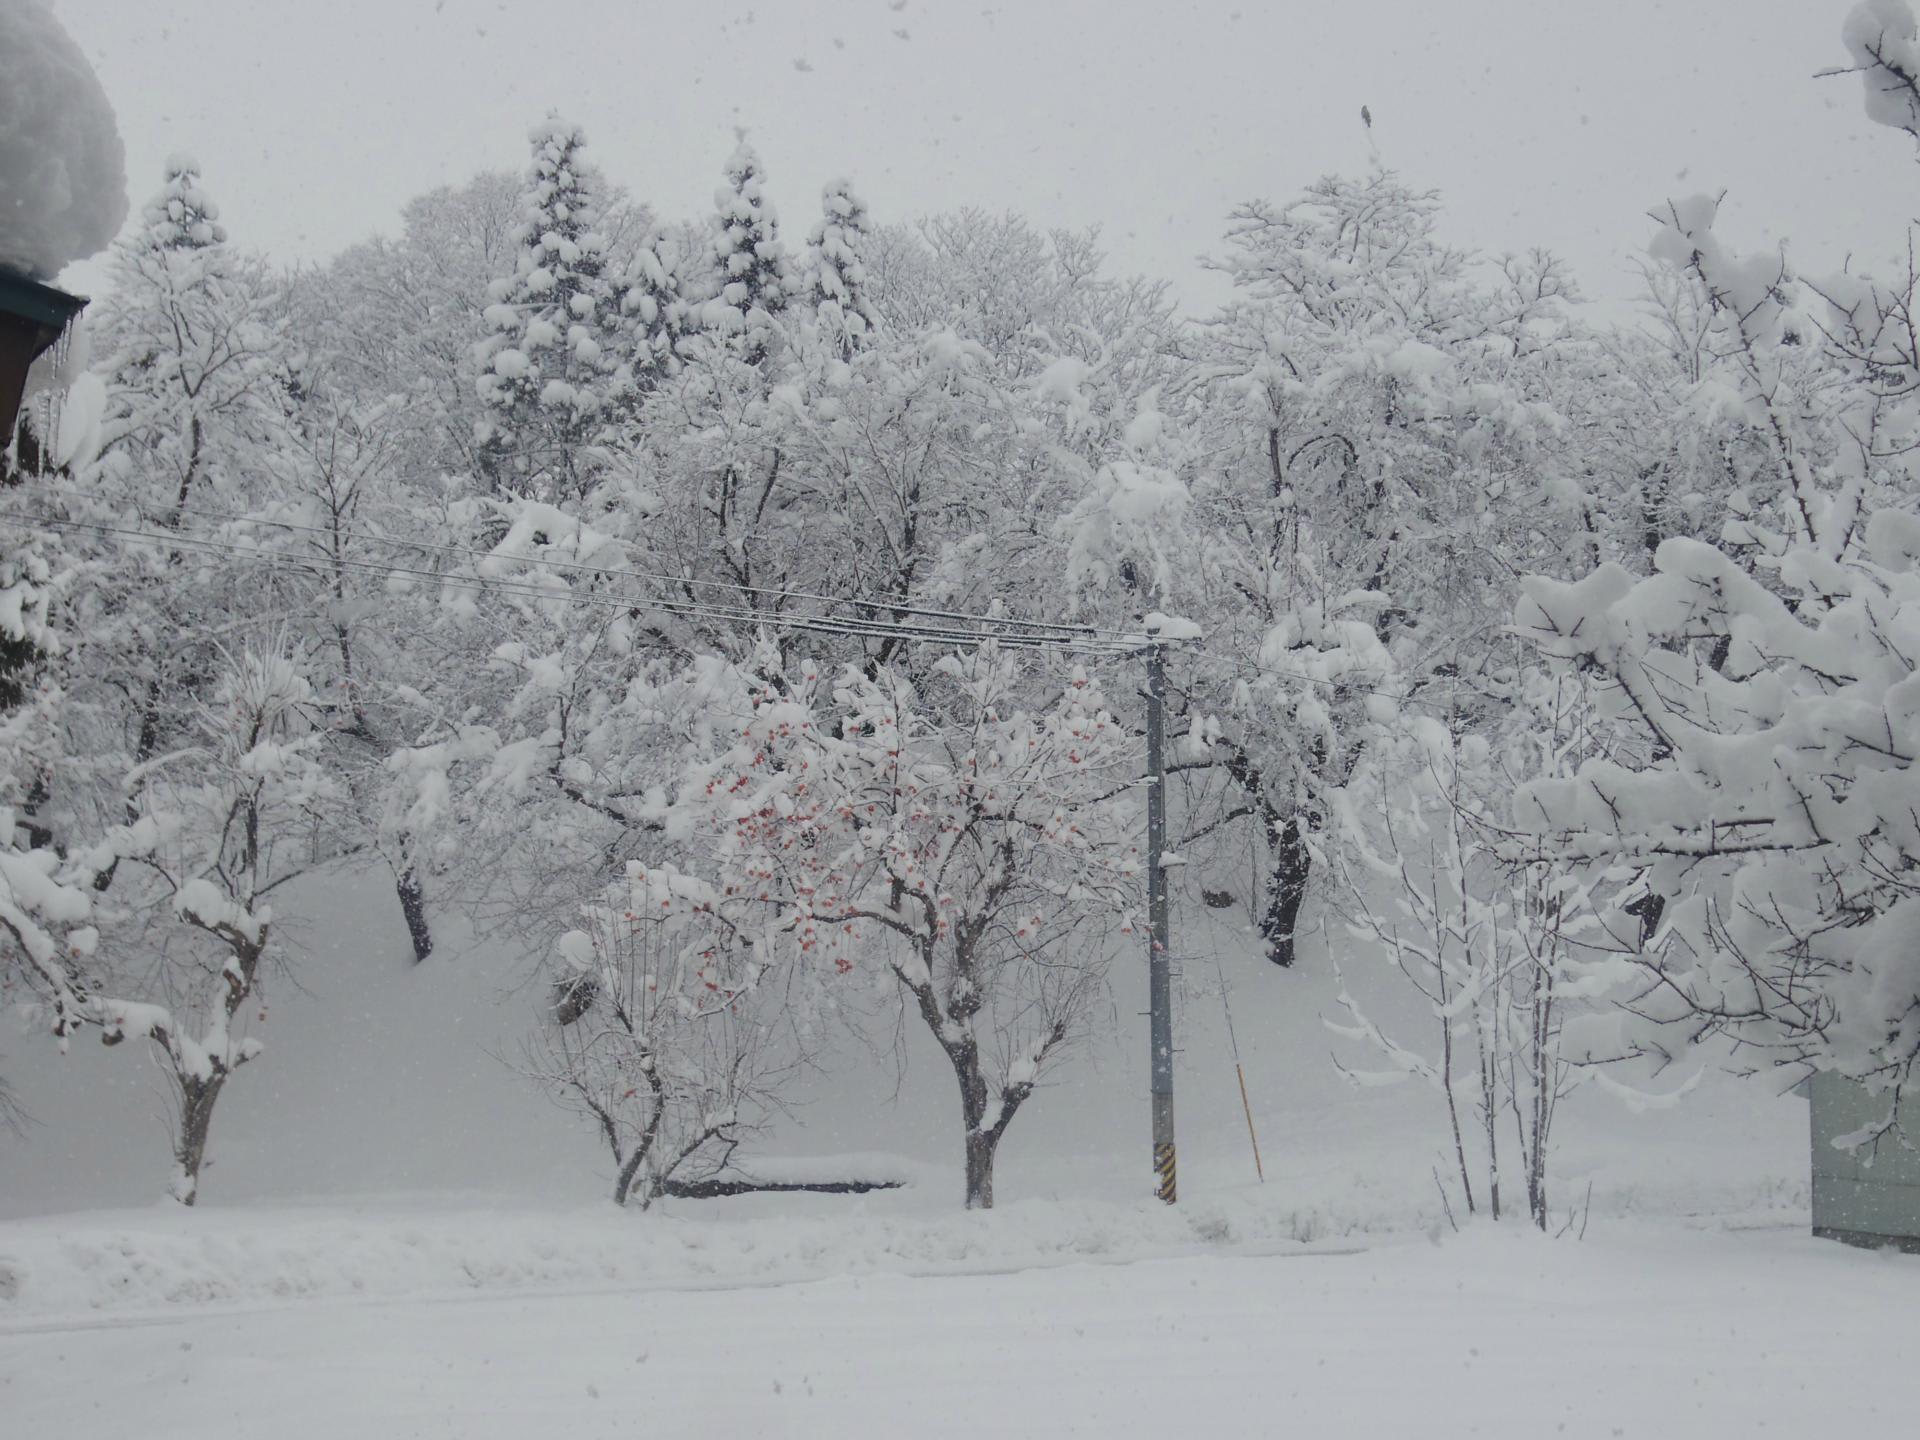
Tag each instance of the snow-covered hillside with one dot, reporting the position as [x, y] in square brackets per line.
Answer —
[385, 1078]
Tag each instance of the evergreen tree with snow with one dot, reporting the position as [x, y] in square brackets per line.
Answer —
[553, 377]
[836, 265]
[755, 276]
[656, 314]
[182, 215]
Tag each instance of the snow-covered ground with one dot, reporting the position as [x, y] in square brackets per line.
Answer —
[382, 1077]
[399, 1237]
[1644, 1330]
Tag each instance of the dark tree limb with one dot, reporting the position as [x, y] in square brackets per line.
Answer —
[716, 1188]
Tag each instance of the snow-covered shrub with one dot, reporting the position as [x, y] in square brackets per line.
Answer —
[1498, 952]
[663, 1040]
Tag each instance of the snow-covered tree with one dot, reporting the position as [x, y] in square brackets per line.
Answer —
[655, 311]
[553, 377]
[65, 179]
[192, 346]
[879, 474]
[323, 529]
[1011, 368]
[663, 1042]
[1495, 952]
[175, 953]
[401, 317]
[190, 342]
[1884, 41]
[1769, 806]
[222, 823]
[977, 839]
[45, 905]
[836, 268]
[197, 773]
[547, 725]
[1375, 430]
[753, 274]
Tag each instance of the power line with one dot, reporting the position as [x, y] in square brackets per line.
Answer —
[528, 590]
[1044, 635]
[873, 602]
[531, 591]
[1342, 687]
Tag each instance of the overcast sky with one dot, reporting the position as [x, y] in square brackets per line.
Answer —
[1555, 122]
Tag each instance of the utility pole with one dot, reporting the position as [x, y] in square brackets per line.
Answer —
[1160, 927]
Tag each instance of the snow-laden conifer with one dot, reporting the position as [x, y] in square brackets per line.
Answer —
[836, 267]
[553, 375]
[753, 274]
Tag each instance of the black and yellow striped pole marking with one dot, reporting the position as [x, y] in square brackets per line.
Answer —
[1160, 928]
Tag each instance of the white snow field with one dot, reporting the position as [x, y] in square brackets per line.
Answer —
[1647, 1330]
[381, 1077]
[398, 1237]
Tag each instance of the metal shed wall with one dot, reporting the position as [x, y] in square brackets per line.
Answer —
[1869, 1196]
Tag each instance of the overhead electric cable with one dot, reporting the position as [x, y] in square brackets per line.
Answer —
[1033, 634]
[877, 602]
[528, 590]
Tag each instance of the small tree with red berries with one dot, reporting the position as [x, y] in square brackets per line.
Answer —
[977, 837]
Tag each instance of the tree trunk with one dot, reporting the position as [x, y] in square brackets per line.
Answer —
[1490, 1123]
[197, 1099]
[980, 1150]
[1292, 867]
[198, 1093]
[982, 1132]
[623, 1182]
[39, 837]
[144, 750]
[413, 906]
[1453, 1103]
[1537, 1185]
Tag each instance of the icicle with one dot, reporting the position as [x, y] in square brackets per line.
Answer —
[44, 402]
[57, 393]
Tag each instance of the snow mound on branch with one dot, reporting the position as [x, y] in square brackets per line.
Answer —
[1133, 512]
[1884, 41]
[63, 170]
[1172, 627]
[1754, 285]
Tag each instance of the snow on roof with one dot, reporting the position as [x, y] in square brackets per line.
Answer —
[63, 173]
